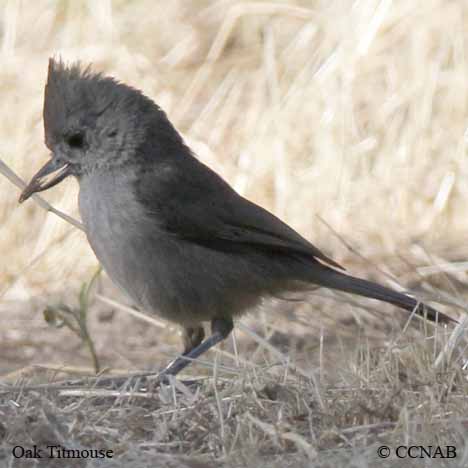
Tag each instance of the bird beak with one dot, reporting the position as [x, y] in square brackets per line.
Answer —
[49, 175]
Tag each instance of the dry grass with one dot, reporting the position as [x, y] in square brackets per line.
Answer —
[354, 113]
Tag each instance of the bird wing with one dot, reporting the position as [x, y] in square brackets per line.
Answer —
[245, 222]
[201, 207]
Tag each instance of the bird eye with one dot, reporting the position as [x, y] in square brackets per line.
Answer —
[75, 140]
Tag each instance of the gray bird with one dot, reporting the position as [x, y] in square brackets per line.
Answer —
[166, 228]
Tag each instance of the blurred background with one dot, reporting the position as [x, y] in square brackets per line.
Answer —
[347, 119]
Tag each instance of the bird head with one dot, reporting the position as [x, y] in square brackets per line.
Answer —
[91, 123]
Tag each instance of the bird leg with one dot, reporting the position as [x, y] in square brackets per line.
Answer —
[194, 348]
[220, 330]
[192, 337]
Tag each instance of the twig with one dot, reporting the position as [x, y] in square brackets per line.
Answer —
[445, 355]
[20, 183]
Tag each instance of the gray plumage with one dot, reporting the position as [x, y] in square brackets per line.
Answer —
[166, 228]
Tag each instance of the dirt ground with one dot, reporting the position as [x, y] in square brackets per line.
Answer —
[327, 384]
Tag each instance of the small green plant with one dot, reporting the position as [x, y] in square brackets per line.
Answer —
[75, 319]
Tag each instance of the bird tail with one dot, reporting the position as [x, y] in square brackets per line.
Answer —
[327, 277]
